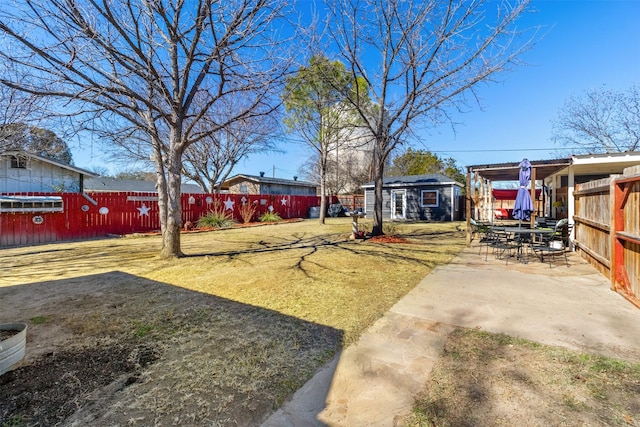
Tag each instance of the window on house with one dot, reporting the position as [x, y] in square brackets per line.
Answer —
[429, 198]
[244, 189]
[18, 162]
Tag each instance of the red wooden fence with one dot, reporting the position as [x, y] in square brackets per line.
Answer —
[102, 214]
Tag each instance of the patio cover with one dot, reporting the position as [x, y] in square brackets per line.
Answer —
[540, 169]
[509, 171]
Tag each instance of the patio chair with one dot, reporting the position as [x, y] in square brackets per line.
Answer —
[490, 239]
[550, 245]
[566, 235]
[478, 229]
[503, 245]
[557, 228]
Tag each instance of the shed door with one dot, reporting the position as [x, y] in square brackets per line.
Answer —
[398, 204]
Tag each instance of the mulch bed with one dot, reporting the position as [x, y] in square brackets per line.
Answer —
[388, 239]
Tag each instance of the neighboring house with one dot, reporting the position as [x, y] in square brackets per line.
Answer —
[432, 197]
[21, 172]
[105, 184]
[251, 184]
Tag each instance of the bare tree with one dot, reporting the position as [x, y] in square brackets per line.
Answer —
[600, 121]
[419, 59]
[148, 72]
[209, 161]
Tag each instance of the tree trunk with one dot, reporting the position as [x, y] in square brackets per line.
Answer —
[323, 199]
[323, 186]
[173, 218]
[378, 179]
[171, 233]
[377, 204]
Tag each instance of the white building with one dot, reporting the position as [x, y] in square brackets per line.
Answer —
[21, 172]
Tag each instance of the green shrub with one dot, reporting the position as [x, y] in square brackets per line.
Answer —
[270, 217]
[389, 228]
[216, 218]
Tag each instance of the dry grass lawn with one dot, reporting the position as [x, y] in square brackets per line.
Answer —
[222, 336]
[485, 379]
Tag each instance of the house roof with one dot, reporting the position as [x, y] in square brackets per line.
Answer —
[266, 180]
[101, 183]
[603, 164]
[51, 162]
[416, 180]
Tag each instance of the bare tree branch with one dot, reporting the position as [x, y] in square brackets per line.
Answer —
[600, 121]
[419, 59]
[149, 72]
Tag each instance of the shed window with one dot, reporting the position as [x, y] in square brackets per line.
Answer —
[429, 198]
[244, 189]
[18, 162]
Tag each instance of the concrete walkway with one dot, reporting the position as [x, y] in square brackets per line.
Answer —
[374, 381]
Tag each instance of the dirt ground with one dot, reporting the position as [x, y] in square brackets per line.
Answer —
[114, 349]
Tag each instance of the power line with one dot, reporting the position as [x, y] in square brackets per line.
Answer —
[489, 150]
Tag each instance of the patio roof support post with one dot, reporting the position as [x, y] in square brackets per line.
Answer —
[488, 211]
[554, 196]
[468, 206]
[571, 207]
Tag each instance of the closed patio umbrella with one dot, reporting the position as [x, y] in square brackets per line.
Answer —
[524, 205]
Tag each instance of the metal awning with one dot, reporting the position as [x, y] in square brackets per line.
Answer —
[509, 171]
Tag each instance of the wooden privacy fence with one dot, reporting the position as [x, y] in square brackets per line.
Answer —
[607, 229]
[90, 215]
[351, 201]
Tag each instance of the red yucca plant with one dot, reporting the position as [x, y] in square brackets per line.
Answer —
[247, 211]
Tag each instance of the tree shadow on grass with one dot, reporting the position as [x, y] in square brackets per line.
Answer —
[417, 253]
[118, 349]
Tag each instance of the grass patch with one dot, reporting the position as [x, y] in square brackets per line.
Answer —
[38, 320]
[484, 379]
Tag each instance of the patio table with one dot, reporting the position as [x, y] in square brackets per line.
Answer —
[520, 235]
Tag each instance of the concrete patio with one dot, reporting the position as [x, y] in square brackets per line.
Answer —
[374, 381]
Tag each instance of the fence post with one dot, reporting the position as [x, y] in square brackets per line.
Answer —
[613, 227]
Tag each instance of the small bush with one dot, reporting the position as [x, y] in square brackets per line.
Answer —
[270, 217]
[216, 218]
[389, 228]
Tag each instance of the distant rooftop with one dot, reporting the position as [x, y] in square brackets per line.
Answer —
[123, 185]
[434, 178]
[267, 180]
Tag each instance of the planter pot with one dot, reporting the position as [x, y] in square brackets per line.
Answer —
[12, 349]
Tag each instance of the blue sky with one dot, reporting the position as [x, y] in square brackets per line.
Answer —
[587, 44]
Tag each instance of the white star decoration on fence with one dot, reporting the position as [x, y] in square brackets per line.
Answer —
[283, 201]
[144, 210]
[228, 204]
